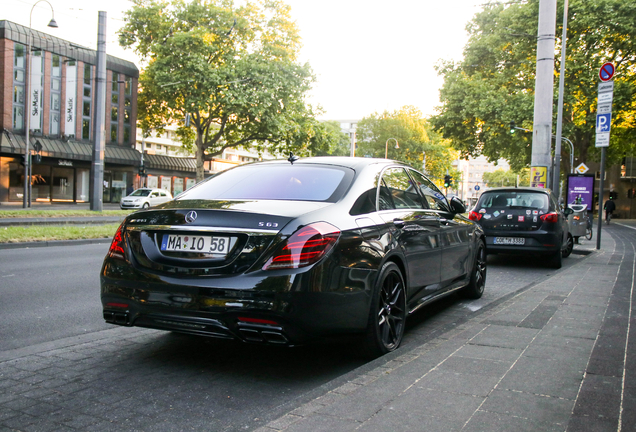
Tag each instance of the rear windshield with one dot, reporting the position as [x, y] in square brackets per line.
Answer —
[274, 182]
[512, 199]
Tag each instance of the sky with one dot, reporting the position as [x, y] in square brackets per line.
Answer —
[368, 55]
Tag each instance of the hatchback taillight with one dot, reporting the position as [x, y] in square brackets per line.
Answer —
[305, 247]
[117, 246]
[550, 217]
[474, 216]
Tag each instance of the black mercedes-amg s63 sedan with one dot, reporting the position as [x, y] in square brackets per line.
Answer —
[287, 251]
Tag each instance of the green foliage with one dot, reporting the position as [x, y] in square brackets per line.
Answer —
[329, 140]
[494, 84]
[501, 178]
[377, 134]
[232, 67]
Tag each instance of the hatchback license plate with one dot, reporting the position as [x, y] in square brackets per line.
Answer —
[510, 240]
[195, 243]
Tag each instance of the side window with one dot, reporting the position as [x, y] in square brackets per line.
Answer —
[397, 187]
[163, 194]
[434, 198]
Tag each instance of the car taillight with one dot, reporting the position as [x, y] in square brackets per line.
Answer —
[117, 246]
[474, 216]
[305, 247]
[550, 217]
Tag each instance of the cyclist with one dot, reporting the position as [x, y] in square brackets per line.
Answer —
[609, 207]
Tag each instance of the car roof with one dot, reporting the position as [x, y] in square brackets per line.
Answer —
[518, 189]
[350, 162]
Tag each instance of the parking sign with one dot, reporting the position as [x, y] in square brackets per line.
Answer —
[603, 122]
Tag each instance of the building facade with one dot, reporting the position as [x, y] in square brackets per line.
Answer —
[62, 85]
[471, 184]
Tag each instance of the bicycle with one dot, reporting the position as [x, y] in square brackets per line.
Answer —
[588, 229]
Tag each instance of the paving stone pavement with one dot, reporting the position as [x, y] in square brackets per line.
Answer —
[558, 356]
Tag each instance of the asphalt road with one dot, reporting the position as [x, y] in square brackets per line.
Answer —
[51, 293]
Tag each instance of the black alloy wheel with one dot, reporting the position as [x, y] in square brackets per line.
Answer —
[388, 313]
[569, 245]
[475, 288]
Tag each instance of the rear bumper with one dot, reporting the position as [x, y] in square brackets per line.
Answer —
[536, 242]
[286, 310]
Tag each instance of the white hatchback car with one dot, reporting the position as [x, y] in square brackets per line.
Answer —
[144, 198]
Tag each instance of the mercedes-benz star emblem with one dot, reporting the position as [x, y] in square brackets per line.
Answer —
[191, 216]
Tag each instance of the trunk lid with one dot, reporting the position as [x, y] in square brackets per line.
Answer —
[208, 237]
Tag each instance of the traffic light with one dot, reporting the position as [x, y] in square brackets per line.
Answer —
[513, 127]
[142, 170]
[448, 180]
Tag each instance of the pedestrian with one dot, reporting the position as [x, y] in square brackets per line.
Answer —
[609, 207]
[129, 190]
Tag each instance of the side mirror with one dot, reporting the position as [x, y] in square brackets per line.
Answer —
[568, 211]
[457, 206]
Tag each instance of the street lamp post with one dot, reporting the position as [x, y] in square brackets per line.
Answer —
[556, 186]
[27, 121]
[386, 147]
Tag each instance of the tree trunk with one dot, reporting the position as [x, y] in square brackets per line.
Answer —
[199, 156]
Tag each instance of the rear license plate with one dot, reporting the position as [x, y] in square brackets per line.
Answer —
[510, 240]
[195, 243]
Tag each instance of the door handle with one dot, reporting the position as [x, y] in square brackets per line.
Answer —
[398, 223]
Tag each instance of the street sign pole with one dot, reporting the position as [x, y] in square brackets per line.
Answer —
[603, 127]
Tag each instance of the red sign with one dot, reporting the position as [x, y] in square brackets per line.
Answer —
[607, 72]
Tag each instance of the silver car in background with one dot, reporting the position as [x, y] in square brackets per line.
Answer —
[144, 198]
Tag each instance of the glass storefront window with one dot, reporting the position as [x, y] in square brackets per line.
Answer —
[83, 177]
[166, 183]
[106, 188]
[63, 184]
[119, 186]
[178, 186]
[41, 183]
[152, 181]
[16, 181]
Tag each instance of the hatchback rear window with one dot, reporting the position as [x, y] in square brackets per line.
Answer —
[274, 182]
[526, 200]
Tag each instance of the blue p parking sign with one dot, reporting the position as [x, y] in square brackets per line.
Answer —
[603, 122]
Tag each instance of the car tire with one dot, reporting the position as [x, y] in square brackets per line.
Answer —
[387, 314]
[556, 259]
[475, 288]
[568, 246]
[145, 206]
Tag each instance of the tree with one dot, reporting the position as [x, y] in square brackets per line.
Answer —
[415, 138]
[502, 178]
[329, 140]
[231, 68]
[494, 84]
